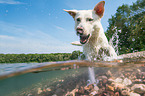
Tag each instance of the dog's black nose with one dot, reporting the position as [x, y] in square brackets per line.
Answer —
[80, 30]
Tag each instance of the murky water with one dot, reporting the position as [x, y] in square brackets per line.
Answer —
[73, 78]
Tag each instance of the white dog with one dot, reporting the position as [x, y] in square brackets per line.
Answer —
[92, 37]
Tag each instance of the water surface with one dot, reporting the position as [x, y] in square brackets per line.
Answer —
[60, 78]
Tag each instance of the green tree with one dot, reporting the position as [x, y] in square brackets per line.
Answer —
[24, 58]
[75, 55]
[129, 21]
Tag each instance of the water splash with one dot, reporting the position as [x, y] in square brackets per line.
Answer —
[91, 75]
[114, 41]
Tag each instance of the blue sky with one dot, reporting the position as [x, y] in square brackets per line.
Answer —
[41, 26]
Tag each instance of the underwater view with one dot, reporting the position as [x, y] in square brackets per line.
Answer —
[124, 77]
[69, 48]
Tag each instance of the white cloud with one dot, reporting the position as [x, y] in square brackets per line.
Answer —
[27, 46]
[19, 39]
[6, 37]
[10, 2]
[60, 28]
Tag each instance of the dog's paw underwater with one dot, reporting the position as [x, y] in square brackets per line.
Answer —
[89, 28]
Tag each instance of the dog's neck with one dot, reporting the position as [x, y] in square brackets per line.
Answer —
[96, 34]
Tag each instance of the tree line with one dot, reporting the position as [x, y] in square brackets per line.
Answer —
[25, 58]
[129, 24]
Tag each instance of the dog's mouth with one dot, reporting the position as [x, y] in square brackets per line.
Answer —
[84, 38]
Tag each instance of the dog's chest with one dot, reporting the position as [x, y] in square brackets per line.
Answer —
[90, 49]
[94, 50]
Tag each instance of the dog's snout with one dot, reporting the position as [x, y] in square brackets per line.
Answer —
[80, 30]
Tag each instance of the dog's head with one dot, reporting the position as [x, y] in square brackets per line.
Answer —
[85, 20]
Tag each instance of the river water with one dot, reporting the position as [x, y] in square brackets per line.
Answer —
[71, 78]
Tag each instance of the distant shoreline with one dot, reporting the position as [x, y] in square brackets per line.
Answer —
[39, 58]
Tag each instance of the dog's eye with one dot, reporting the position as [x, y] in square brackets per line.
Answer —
[90, 19]
[78, 19]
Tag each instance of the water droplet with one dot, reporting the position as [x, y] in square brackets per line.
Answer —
[119, 31]
[133, 39]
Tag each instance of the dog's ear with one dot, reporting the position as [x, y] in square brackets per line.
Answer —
[99, 8]
[71, 12]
